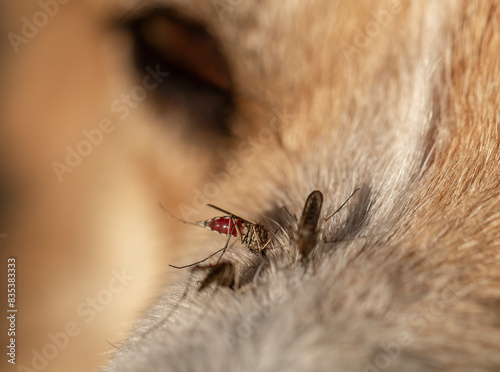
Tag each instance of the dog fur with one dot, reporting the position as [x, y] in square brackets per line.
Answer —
[405, 278]
[396, 98]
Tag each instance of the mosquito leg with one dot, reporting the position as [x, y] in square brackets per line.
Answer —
[265, 245]
[334, 213]
[199, 262]
[289, 213]
[225, 248]
[235, 227]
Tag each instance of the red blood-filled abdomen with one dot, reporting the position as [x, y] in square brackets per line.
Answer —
[225, 225]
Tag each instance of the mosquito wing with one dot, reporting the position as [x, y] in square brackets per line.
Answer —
[230, 214]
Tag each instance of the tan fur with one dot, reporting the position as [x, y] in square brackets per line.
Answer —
[410, 116]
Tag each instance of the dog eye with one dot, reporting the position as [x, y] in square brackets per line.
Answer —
[198, 85]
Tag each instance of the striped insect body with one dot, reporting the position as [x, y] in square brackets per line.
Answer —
[253, 235]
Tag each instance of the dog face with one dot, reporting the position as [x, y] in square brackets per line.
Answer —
[250, 107]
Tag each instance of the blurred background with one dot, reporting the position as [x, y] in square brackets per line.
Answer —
[87, 156]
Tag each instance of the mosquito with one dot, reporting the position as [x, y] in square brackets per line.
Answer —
[306, 232]
[224, 274]
[253, 235]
